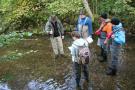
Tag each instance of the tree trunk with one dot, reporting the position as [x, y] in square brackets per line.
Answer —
[86, 5]
[96, 7]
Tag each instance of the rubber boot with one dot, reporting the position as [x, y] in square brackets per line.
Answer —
[77, 83]
[105, 56]
[111, 71]
[85, 85]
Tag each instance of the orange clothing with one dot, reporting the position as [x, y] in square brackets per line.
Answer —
[107, 28]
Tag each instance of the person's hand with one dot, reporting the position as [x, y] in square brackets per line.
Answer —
[105, 42]
[112, 36]
[62, 37]
[51, 32]
[83, 61]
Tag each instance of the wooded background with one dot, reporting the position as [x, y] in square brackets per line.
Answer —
[31, 15]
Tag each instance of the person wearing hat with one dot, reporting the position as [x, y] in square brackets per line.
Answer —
[84, 25]
[105, 32]
[55, 30]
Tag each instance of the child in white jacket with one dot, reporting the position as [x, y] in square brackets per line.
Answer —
[74, 48]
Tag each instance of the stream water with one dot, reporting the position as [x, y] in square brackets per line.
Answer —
[37, 69]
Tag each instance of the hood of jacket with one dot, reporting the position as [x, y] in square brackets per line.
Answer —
[117, 27]
[74, 47]
[80, 42]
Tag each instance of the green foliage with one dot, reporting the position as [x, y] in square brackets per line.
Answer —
[122, 9]
[24, 15]
[116, 7]
[13, 38]
[63, 7]
[8, 39]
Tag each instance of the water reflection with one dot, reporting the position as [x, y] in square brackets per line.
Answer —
[4, 86]
[51, 84]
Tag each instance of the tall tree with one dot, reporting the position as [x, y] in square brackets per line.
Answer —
[86, 5]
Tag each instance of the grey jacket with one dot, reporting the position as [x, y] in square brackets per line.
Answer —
[49, 27]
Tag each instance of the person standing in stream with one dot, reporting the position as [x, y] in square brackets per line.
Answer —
[55, 30]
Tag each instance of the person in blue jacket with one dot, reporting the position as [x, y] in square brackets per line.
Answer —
[84, 25]
[116, 46]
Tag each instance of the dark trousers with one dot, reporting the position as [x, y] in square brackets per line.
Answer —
[78, 68]
[104, 53]
[103, 49]
[115, 55]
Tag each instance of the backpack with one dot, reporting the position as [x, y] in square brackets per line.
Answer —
[84, 54]
[120, 36]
